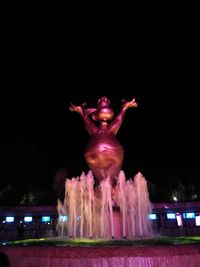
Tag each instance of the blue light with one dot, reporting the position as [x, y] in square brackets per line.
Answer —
[190, 215]
[46, 218]
[152, 216]
[10, 219]
[63, 218]
[171, 216]
[28, 219]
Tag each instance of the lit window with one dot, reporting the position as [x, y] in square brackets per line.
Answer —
[63, 218]
[28, 219]
[190, 215]
[46, 218]
[152, 216]
[10, 219]
[171, 216]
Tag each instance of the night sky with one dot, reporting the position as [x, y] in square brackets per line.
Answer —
[46, 69]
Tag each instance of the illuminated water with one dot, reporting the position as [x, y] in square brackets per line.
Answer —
[105, 212]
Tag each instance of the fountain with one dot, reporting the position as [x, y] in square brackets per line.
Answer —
[103, 205]
[115, 207]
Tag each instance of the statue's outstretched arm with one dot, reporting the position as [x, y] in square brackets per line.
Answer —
[84, 113]
[117, 122]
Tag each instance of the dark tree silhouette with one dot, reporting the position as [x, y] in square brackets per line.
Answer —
[59, 183]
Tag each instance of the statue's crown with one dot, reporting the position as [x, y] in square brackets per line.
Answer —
[103, 102]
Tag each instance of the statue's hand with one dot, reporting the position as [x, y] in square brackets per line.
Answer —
[129, 104]
[77, 109]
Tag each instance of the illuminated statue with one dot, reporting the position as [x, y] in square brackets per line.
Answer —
[104, 154]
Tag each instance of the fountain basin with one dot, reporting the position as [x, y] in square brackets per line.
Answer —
[111, 253]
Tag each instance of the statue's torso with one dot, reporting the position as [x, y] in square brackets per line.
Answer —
[104, 155]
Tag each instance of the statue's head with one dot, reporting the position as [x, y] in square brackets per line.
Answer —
[103, 102]
[104, 112]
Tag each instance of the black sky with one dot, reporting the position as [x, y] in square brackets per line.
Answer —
[47, 67]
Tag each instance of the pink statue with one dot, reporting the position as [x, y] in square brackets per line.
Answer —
[104, 154]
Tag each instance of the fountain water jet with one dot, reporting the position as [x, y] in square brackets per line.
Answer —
[93, 213]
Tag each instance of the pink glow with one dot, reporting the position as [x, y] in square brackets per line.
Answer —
[197, 220]
[146, 256]
[179, 219]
